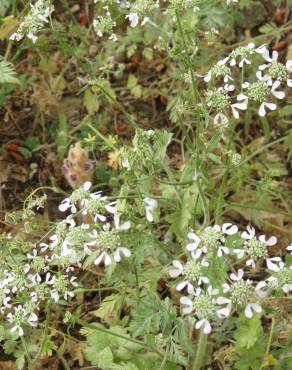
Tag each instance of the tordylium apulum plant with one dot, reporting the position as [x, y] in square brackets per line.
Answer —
[215, 273]
[170, 274]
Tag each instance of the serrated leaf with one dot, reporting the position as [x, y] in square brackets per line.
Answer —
[148, 53]
[132, 82]
[8, 25]
[91, 102]
[110, 309]
[136, 91]
[248, 332]
[57, 84]
[7, 73]
[62, 135]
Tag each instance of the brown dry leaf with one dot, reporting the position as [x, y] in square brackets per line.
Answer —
[4, 171]
[289, 52]
[75, 350]
[7, 365]
[113, 159]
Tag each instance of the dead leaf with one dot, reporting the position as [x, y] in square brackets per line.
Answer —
[113, 159]
[75, 350]
[7, 365]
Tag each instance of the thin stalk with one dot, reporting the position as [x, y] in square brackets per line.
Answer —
[218, 212]
[107, 331]
[269, 342]
[29, 359]
[198, 123]
[48, 315]
[201, 351]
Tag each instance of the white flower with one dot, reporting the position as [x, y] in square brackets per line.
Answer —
[150, 206]
[221, 120]
[77, 196]
[282, 279]
[277, 70]
[109, 242]
[192, 272]
[211, 237]
[250, 308]
[242, 294]
[187, 302]
[257, 248]
[205, 325]
[133, 18]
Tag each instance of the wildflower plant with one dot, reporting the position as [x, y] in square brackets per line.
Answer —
[143, 265]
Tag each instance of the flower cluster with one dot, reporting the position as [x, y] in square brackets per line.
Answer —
[262, 89]
[34, 21]
[35, 273]
[238, 293]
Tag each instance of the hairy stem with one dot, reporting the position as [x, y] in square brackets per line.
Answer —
[201, 351]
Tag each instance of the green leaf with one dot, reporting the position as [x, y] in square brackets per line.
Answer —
[148, 53]
[91, 102]
[153, 315]
[7, 73]
[25, 152]
[20, 359]
[132, 82]
[110, 308]
[105, 358]
[62, 135]
[248, 332]
[32, 142]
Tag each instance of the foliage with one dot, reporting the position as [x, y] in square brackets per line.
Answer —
[141, 140]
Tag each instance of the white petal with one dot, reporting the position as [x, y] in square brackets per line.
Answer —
[262, 111]
[275, 55]
[271, 241]
[229, 229]
[239, 253]
[178, 265]
[181, 285]
[248, 311]
[207, 77]
[222, 300]
[107, 259]
[207, 327]
[262, 67]
[249, 234]
[87, 185]
[186, 301]
[125, 226]
[289, 65]
[220, 119]
[278, 94]
[256, 307]
[63, 207]
[250, 263]
[271, 106]
[117, 256]
[99, 258]
[199, 323]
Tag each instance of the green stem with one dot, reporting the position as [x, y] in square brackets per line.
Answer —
[269, 343]
[107, 331]
[29, 359]
[196, 98]
[201, 351]
[218, 212]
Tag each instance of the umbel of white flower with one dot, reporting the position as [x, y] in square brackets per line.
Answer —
[34, 21]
